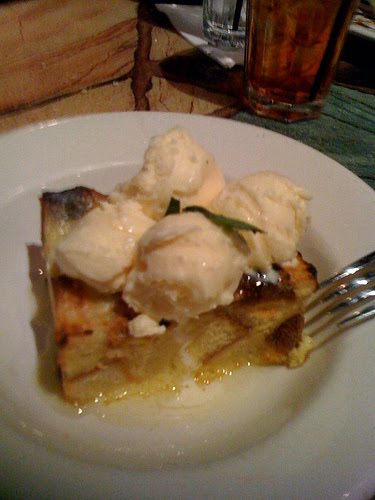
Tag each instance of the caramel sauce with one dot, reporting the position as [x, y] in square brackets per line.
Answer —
[173, 364]
[164, 364]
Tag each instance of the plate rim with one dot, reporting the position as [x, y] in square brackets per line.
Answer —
[150, 116]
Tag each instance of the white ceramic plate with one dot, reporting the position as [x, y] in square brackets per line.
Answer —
[263, 433]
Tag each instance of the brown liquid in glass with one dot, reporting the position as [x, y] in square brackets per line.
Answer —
[294, 47]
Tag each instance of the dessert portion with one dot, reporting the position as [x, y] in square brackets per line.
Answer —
[145, 297]
[186, 266]
[101, 247]
[272, 202]
[174, 166]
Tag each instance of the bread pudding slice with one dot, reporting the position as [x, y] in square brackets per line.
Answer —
[99, 359]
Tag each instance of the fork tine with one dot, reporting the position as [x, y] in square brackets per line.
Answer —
[339, 289]
[350, 277]
[341, 305]
[357, 317]
[320, 302]
[342, 301]
[351, 269]
[326, 327]
[326, 333]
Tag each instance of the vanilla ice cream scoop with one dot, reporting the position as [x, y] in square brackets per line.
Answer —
[101, 247]
[273, 203]
[186, 265]
[174, 166]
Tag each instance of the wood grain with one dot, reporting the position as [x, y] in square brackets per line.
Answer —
[185, 97]
[52, 48]
[114, 96]
[63, 58]
[69, 57]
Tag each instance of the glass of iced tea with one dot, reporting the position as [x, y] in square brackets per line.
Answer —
[292, 49]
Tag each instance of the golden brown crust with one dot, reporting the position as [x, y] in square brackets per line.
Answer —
[60, 212]
[303, 277]
[97, 356]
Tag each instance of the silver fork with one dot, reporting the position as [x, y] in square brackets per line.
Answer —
[342, 301]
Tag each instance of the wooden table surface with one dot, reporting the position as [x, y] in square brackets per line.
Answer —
[71, 57]
[63, 58]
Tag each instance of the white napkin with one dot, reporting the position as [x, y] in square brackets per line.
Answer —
[187, 20]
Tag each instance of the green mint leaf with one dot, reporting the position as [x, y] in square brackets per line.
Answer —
[174, 207]
[226, 222]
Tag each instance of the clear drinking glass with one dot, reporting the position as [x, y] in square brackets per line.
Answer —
[292, 49]
[224, 23]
